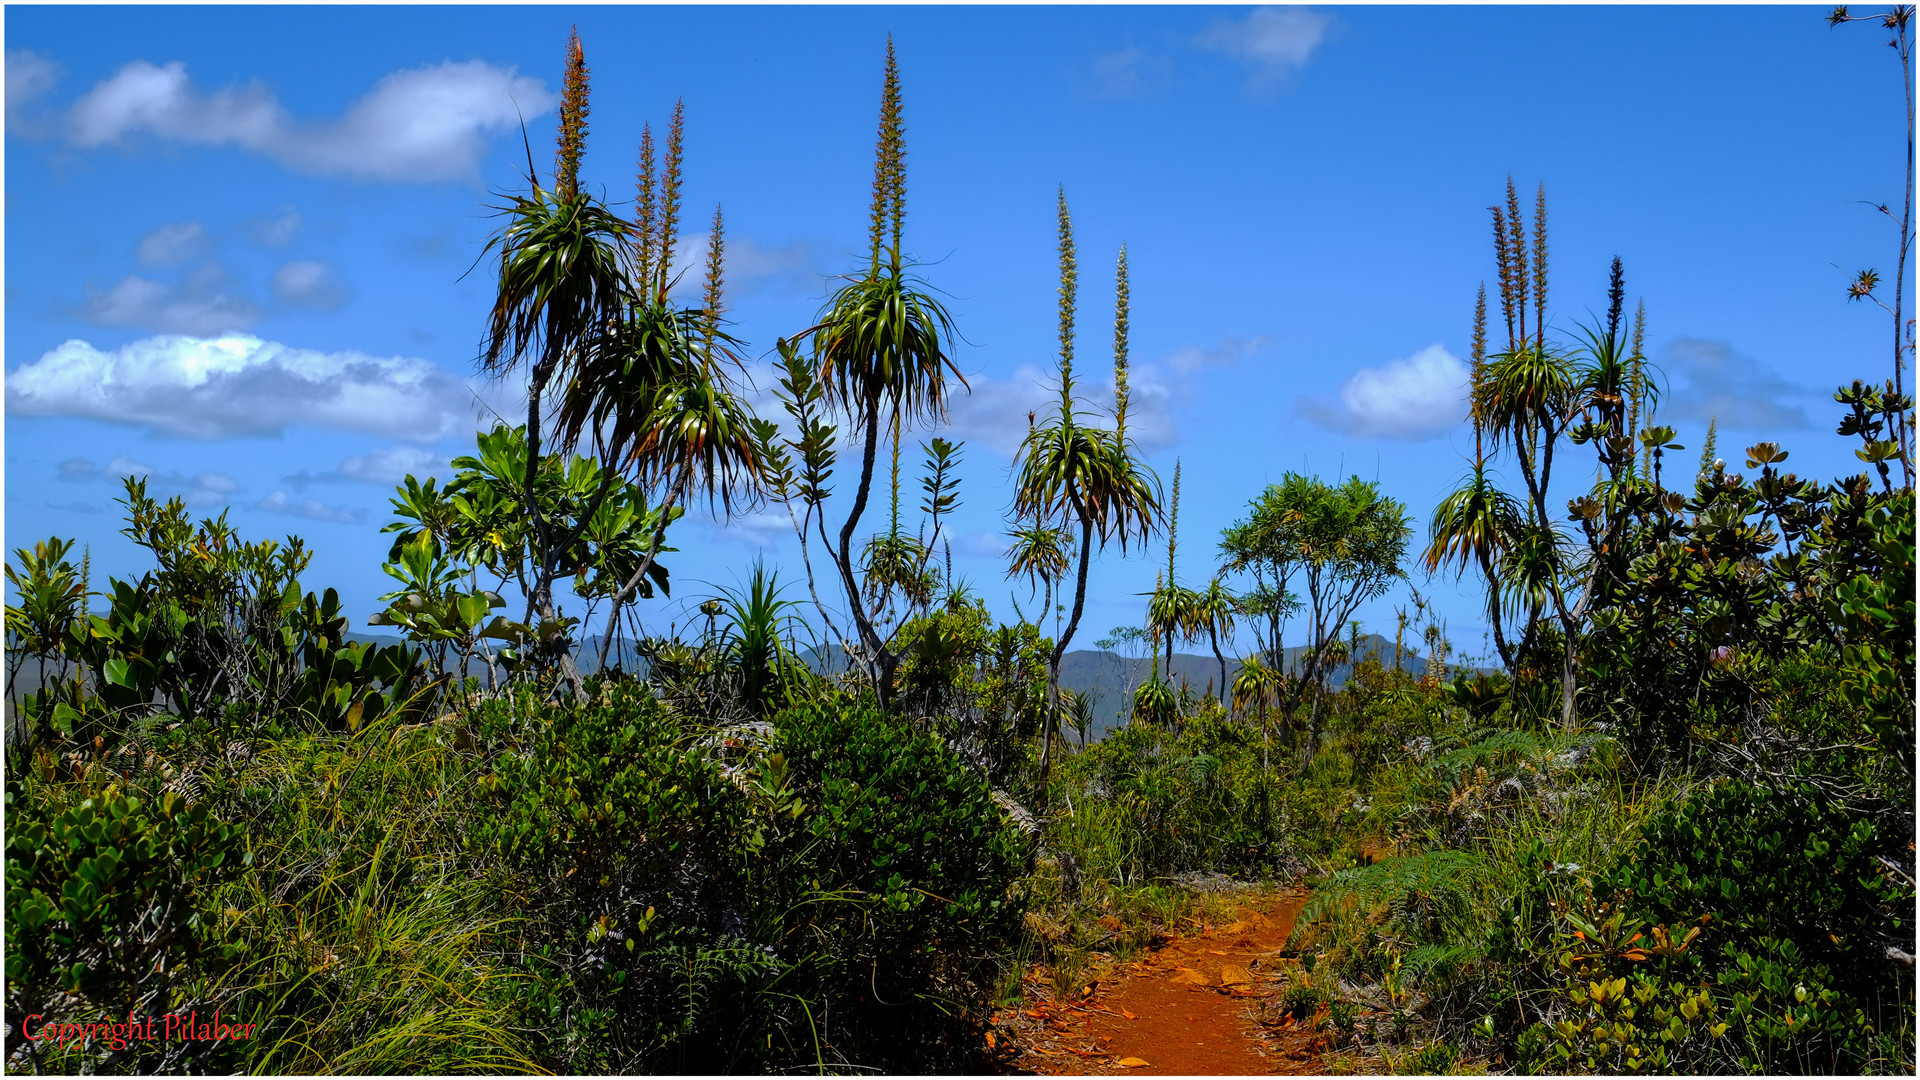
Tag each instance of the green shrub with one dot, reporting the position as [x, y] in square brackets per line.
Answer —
[893, 894]
[1798, 911]
[626, 838]
[1434, 1059]
[108, 900]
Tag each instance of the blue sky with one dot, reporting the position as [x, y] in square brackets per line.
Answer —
[293, 196]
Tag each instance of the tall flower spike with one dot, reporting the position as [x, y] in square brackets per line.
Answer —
[1639, 374]
[888, 183]
[573, 123]
[893, 530]
[670, 199]
[1517, 251]
[713, 301]
[646, 212]
[1069, 287]
[1616, 299]
[1504, 262]
[1540, 266]
[1173, 522]
[897, 152]
[1479, 370]
[1120, 316]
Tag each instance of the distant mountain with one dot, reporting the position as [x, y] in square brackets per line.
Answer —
[1111, 678]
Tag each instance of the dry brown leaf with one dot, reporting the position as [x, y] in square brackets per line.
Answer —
[1134, 1063]
[990, 1040]
[1186, 976]
[1231, 975]
[1128, 1013]
[1218, 952]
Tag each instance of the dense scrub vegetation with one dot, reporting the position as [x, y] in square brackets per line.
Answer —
[1669, 828]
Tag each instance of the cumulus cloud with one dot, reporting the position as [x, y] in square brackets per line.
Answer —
[994, 415]
[200, 304]
[173, 244]
[201, 490]
[29, 77]
[1272, 42]
[749, 266]
[274, 231]
[1421, 397]
[279, 502]
[1710, 379]
[425, 124]
[1191, 358]
[239, 385]
[310, 283]
[1128, 72]
[381, 468]
[756, 530]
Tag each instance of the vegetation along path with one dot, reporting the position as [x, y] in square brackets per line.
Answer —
[1210, 1002]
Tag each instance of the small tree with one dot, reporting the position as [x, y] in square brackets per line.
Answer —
[1346, 542]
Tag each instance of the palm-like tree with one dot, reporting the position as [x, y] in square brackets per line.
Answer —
[700, 440]
[881, 349]
[1041, 554]
[562, 281]
[1074, 473]
[1081, 474]
[1476, 525]
[1214, 612]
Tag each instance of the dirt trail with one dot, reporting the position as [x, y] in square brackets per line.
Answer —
[1189, 1006]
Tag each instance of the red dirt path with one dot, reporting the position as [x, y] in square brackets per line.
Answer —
[1187, 1007]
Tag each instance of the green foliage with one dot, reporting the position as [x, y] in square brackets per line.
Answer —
[1433, 1059]
[897, 887]
[1875, 612]
[109, 899]
[1799, 906]
[627, 831]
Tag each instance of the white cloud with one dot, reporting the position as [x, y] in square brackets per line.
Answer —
[239, 385]
[769, 525]
[279, 502]
[29, 77]
[199, 305]
[276, 231]
[381, 468]
[310, 283]
[994, 415]
[1273, 42]
[422, 124]
[1128, 72]
[1714, 381]
[202, 490]
[1421, 397]
[173, 244]
[1191, 358]
[747, 266]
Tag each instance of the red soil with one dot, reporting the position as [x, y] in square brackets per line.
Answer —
[1189, 1006]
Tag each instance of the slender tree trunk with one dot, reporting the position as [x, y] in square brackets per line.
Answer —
[880, 670]
[646, 564]
[1214, 633]
[1493, 612]
[1060, 647]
